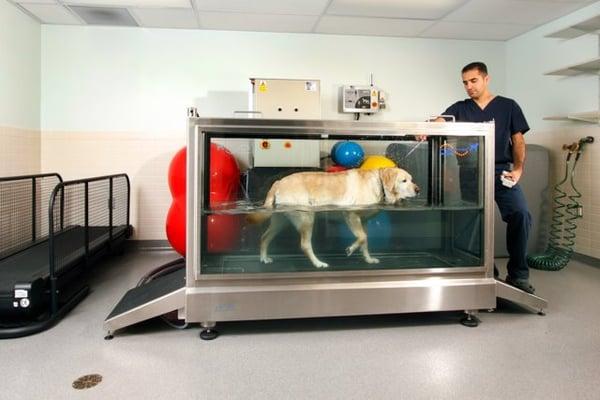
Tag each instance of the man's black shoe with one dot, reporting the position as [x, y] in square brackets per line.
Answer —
[524, 285]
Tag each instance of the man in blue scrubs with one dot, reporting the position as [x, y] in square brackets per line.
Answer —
[510, 123]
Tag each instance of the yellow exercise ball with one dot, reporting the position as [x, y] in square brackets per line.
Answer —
[375, 162]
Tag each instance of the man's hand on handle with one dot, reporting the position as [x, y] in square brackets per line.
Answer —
[422, 138]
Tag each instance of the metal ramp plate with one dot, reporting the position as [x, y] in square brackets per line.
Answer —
[511, 293]
[157, 297]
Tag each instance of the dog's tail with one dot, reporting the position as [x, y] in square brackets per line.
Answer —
[260, 217]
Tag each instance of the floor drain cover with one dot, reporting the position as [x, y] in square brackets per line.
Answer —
[87, 381]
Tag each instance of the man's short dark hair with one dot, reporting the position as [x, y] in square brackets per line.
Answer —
[478, 65]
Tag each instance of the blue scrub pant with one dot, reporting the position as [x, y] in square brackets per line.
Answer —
[514, 211]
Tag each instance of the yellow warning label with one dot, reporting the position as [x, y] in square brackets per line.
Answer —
[262, 87]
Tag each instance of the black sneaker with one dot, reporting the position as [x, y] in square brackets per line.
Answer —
[524, 285]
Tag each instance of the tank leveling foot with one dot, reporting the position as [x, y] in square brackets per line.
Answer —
[208, 332]
[109, 336]
[470, 320]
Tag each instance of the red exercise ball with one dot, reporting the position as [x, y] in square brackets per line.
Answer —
[175, 224]
[177, 174]
[224, 176]
[335, 168]
[223, 231]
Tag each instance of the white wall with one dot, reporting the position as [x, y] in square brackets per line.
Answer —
[111, 79]
[19, 68]
[115, 99]
[528, 57]
[19, 92]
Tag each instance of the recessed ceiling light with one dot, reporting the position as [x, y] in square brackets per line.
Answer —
[132, 3]
[113, 16]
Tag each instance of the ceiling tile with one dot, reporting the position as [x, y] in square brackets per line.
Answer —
[165, 17]
[36, 1]
[371, 26]
[423, 9]
[52, 14]
[523, 12]
[582, 2]
[473, 31]
[132, 3]
[256, 22]
[408, 18]
[304, 7]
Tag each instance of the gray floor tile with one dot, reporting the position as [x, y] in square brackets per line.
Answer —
[513, 354]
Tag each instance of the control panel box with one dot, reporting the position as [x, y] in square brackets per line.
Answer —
[361, 99]
[286, 98]
[286, 153]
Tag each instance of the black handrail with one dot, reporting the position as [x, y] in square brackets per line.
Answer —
[51, 234]
[33, 196]
[25, 177]
[34, 179]
[86, 219]
[110, 209]
[95, 179]
[128, 198]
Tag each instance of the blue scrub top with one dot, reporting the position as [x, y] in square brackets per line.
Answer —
[505, 113]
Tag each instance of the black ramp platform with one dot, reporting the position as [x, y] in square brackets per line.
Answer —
[159, 296]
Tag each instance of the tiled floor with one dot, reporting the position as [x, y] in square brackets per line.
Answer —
[513, 354]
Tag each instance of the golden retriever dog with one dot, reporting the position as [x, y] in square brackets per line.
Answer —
[351, 188]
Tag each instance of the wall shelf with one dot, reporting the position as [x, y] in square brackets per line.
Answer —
[592, 67]
[593, 117]
[591, 25]
[588, 67]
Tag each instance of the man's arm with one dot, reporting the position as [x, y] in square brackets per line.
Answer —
[518, 150]
[422, 138]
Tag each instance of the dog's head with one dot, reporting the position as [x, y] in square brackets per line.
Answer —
[397, 185]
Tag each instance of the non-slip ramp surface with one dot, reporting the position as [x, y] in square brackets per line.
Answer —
[152, 290]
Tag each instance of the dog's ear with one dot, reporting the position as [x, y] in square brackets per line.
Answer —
[388, 181]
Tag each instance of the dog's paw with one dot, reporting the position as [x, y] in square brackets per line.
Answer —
[349, 250]
[321, 264]
[372, 260]
[266, 260]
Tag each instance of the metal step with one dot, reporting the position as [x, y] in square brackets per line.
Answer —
[157, 297]
[518, 296]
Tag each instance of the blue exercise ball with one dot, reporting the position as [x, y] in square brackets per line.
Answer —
[333, 150]
[348, 154]
[379, 233]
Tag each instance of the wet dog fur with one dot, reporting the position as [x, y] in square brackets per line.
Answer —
[351, 188]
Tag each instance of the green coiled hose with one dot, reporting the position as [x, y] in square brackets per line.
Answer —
[564, 216]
